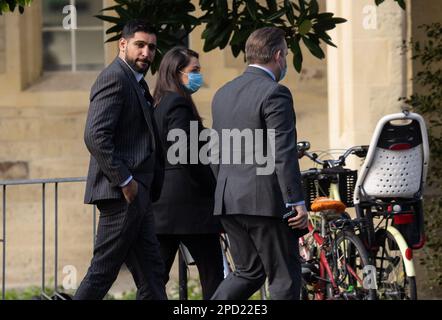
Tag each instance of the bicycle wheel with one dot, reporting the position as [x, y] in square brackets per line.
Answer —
[393, 282]
[309, 254]
[349, 263]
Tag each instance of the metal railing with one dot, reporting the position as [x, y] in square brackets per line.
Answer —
[3, 240]
[183, 260]
[184, 256]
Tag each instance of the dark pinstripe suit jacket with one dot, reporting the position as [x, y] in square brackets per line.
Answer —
[119, 134]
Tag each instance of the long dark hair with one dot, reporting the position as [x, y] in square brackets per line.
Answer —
[175, 60]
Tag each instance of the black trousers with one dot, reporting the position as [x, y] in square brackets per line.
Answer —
[125, 234]
[205, 250]
[261, 247]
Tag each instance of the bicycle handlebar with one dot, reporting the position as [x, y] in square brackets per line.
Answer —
[311, 171]
[304, 146]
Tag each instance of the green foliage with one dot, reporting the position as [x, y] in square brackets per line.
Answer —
[129, 295]
[428, 101]
[35, 293]
[30, 293]
[401, 3]
[194, 291]
[170, 18]
[10, 5]
[232, 22]
[228, 23]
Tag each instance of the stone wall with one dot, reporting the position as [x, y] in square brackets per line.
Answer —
[41, 136]
[42, 124]
[2, 45]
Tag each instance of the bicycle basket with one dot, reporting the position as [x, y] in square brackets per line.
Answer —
[314, 187]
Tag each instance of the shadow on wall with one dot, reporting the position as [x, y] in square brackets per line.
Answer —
[10, 170]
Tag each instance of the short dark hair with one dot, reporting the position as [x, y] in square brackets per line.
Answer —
[136, 25]
[263, 43]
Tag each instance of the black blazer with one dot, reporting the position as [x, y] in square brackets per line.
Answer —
[186, 201]
[119, 134]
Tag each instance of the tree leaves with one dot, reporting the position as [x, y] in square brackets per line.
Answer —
[313, 46]
[299, 20]
[305, 27]
[171, 18]
[401, 3]
[230, 22]
[297, 53]
[227, 22]
[10, 5]
[427, 100]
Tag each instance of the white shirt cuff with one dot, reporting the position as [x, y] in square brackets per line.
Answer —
[126, 182]
[299, 203]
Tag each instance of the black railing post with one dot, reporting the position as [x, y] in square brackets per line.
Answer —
[43, 183]
[4, 245]
[182, 276]
[56, 239]
[43, 221]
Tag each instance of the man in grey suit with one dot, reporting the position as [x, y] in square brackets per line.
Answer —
[251, 206]
[120, 136]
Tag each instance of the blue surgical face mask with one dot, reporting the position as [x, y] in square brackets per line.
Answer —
[195, 81]
[283, 72]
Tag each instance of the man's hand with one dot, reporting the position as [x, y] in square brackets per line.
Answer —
[130, 190]
[301, 219]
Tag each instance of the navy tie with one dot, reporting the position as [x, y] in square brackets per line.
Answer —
[146, 91]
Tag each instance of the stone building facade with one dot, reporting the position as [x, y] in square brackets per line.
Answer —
[42, 113]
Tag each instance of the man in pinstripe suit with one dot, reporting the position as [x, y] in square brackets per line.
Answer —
[120, 136]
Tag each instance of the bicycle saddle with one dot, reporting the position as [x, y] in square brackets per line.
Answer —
[326, 204]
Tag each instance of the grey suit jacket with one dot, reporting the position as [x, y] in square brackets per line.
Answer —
[118, 134]
[254, 100]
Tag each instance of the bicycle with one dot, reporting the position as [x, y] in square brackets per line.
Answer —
[334, 260]
[390, 188]
[185, 260]
[229, 264]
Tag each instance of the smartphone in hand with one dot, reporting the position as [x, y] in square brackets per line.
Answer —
[291, 214]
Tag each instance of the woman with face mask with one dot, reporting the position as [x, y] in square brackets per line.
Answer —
[184, 211]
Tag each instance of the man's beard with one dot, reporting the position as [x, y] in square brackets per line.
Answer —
[133, 64]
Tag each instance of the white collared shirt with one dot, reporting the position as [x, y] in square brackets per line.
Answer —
[137, 75]
[270, 73]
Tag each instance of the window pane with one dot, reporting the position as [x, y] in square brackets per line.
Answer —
[90, 50]
[86, 11]
[53, 12]
[89, 44]
[56, 50]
